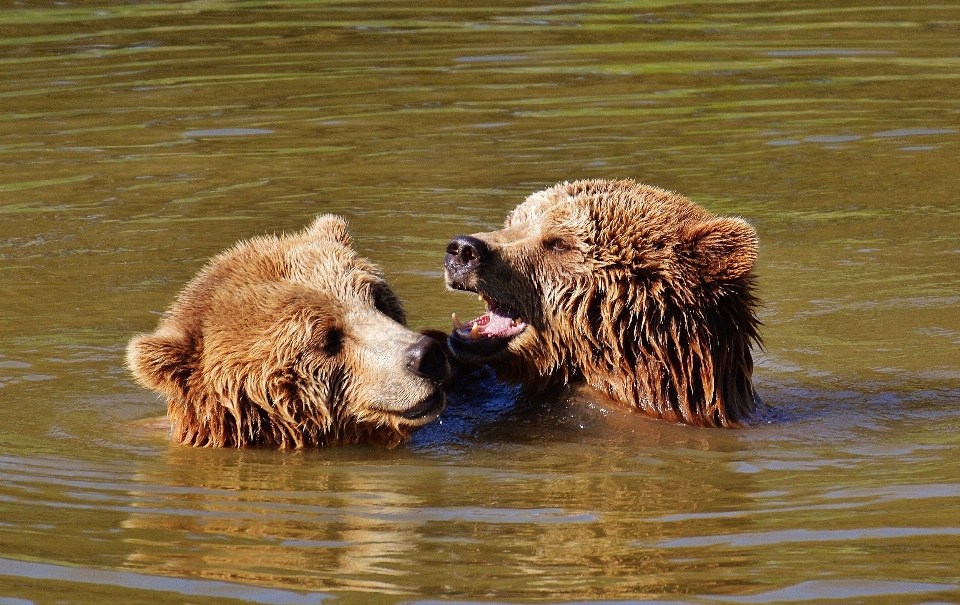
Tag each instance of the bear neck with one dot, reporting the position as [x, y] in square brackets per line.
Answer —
[265, 411]
[670, 360]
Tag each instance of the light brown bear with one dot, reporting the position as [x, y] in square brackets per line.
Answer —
[291, 341]
[637, 291]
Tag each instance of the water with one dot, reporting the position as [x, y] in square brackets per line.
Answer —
[138, 139]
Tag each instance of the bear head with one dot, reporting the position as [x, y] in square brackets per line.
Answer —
[640, 292]
[291, 341]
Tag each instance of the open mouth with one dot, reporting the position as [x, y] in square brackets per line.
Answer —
[489, 333]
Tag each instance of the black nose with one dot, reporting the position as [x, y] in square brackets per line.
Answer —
[428, 360]
[464, 254]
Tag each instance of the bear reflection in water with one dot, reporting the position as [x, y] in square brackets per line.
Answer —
[291, 341]
[637, 291]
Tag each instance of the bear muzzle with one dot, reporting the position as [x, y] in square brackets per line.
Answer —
[465, 254]
[490, 333]
[426, 410]
[428, 360]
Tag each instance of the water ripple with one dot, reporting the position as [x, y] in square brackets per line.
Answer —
[126, 579]
[841, 589]
[806, 535]
[227, 132]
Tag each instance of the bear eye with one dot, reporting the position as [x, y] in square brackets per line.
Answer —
[557, 244]
[382, 304]
[386, 302]
[332, 342]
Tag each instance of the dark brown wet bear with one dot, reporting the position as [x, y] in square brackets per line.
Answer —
[288, 342]
[635, 290]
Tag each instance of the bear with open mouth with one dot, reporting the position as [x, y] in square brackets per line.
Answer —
[637, 291]
[291, 341]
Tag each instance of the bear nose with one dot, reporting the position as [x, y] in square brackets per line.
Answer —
[465, 253]
[428, 360]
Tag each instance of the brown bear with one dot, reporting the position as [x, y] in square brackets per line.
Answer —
[638, 291]
[291, 341]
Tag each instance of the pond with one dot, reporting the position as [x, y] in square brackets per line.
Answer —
[138, 139]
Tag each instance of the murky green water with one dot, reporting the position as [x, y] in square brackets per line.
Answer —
[138, 139]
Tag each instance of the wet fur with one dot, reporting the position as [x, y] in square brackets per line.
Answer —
[637, 291]
[254, 350]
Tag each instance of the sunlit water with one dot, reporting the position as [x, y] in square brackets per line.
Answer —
[137, 140]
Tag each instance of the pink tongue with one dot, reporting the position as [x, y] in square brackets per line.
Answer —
[497, 324]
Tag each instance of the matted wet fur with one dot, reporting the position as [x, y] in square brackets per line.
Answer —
[638, 291]
[291, 341]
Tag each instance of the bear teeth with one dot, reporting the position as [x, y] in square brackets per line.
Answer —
[496, 322]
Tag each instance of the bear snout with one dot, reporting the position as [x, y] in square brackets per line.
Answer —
[465, 254]
[428, 360]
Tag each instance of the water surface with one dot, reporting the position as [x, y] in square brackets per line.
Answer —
[139, 139]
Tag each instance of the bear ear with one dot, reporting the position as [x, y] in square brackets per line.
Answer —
[162, 361]
[330, 227]
[724, 248]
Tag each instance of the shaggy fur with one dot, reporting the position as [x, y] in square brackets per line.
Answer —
[288, 342]
[636, 290]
